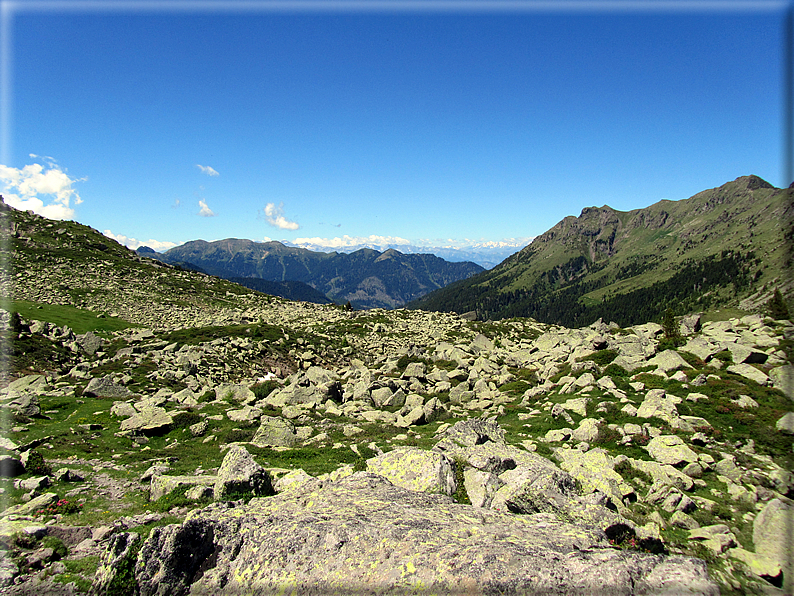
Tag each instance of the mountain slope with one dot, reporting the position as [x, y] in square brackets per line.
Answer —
[715, 248]
[367, 278]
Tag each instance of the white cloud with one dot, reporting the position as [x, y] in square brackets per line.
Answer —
[209, 171]
[21, 189]
[133, 243]
[348, 241]
[205, 211]
[275, 217]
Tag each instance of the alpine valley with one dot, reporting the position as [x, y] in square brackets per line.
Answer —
[169, 432]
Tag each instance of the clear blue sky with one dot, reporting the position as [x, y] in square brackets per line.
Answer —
[424, 125]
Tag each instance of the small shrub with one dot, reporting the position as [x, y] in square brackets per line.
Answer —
[515, 387]
[176, 498]
[262, 390]
[777, 307]
[56, 544]
[722, 511]
[24, 540]
[607, 435]
[460, 495]
[185, 419]
[629, 472]
[36, 466]
[601, 357]
[724, 356]
[237, 435]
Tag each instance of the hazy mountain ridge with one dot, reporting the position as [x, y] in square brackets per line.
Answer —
[606, 261]
[485, 254]
[367, 278]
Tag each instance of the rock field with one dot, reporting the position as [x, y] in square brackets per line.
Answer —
[229, 442]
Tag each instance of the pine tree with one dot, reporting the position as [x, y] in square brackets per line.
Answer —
[777, 306]
[672, 335]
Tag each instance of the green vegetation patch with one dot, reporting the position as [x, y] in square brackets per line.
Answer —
[78, 320]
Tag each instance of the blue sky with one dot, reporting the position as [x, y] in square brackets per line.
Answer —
[446, 122]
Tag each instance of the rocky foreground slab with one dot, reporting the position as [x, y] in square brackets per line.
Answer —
[364, 535]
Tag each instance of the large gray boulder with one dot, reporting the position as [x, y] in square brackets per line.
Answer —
[26, 404]
[364, 535]
[275, 432]
[89, 342]
[33, 383]
[148, 421]
[239, 473]
[671, 450]
[105, 387]
[772, 533]
[660, 405]
[783, 379]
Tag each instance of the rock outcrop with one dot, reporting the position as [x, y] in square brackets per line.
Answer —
[364, 535]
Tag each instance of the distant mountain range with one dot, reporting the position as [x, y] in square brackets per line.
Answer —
[366, 278]
[716, 248]
[487, 254]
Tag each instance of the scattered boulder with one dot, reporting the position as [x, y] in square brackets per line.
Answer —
[275, 432]
[783, 379]
[772, 532]
[148, 421]
[658, 404]
[105, 387]
[240, 474]
[671, 450]
[27, 404]
[748, 371]
[786, 423]
[163, 485]
[232, 392]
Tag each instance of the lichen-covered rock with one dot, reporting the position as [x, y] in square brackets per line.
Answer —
[594, 470]
[240, 474]
[105, 387]
[291, 480]
[671, 450]
[783, 379]
[748, 371]
[115, 565]
[772, 532]
[481, 486]
[148, 421]
[275, 432]
[415, 469]
[587, 430]
[657, 403]
[232, 392]
[786, 424]
[364, 535]
[162, 485]
[471, 432]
